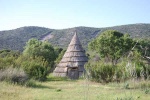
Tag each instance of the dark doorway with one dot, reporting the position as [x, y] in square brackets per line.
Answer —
[73, 73]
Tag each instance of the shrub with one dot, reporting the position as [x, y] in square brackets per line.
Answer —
[36, 68]
[139, 70]
[101, 72]
[126, 86]
[37, 59]
[58, 90]
[121, 73]
[60, 56]
[139, 67]
[6, 62]
[32, 83]
[147, 91]
[106, 72]
[13, 75]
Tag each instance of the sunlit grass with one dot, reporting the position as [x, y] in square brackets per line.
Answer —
[65, 89]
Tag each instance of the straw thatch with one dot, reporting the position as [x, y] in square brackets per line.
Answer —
[72, 63]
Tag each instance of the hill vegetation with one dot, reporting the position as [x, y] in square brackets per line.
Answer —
[16, 39]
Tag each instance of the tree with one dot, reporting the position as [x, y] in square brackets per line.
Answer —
[112, 45]
[57, 51]
[37, 60]
[140, 57]
[144, 47]
[60, 56]
[35, 48]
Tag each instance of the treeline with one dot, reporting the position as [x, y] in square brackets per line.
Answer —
[118, 58]
[35, 62]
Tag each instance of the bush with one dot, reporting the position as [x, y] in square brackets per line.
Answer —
[37, 59]
[13, 75]
[32, 83]
[101, 72]
[106, 72]
[36, 68]
[60, 56]
[126, 86]
[121, 73]
[139, 70]
[6, 62]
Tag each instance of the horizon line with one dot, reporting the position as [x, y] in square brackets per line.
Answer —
[73, 27]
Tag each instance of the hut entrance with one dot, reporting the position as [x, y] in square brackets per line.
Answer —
[73, 73]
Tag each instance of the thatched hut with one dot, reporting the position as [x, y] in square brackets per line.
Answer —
[72, 63]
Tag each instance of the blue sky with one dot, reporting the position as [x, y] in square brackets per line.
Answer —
[59, 14]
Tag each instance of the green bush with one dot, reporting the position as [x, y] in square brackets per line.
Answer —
[126, 86]
[7, 58]
[106, 72]
[36, 68]
[101, 72]
[37, 59]
[6, 62]
[147, 91]
[32, 83]
[60, 56]
[121, 73]
[140, 69]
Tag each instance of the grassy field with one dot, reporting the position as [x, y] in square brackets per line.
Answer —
[62, 89]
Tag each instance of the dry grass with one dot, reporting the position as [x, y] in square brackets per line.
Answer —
[62, 89]
[13, 75]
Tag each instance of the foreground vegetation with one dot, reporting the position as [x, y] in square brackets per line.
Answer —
[120, 58]
[83, 89]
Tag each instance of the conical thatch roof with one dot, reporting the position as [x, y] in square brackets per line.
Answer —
[74, 57]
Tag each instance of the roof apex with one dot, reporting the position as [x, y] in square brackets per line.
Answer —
[75, 40]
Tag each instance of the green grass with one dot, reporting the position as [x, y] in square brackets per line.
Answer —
[64, 89]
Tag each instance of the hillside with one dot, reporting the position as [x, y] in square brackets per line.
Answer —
[135, 30]
[16, 39]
